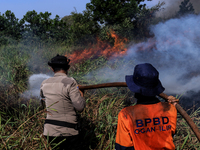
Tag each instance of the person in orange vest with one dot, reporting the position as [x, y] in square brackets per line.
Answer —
[150, 124]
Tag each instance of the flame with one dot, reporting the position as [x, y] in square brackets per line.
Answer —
[100, 49]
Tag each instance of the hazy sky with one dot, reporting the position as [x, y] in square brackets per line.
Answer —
[55, 7]
[65, 7]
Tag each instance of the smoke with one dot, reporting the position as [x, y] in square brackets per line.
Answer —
[174, 51]
[171, 7]
[196, 4]
[34, 85]
[177, 53]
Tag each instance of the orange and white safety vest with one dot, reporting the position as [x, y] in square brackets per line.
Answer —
[146, 127]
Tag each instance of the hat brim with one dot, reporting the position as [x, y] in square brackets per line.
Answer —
[62, 64]
[143, 90]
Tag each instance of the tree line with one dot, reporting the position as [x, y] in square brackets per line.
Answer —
[128, 18]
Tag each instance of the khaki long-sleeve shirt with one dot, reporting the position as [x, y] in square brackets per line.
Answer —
[62, 98]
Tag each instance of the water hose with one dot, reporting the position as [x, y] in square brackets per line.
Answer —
[162, 95]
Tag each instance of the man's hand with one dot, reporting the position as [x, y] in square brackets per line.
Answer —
[173, 100]
[82, 92]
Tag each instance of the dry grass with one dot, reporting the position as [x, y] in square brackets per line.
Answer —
[21, 120]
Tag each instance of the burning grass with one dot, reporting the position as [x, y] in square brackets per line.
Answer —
[21, 119]
[101, 49]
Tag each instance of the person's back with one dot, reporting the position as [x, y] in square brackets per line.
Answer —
[60, 92]
[150, 124]
[62, 98]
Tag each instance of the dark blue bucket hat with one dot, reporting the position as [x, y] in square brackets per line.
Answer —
[145, 80]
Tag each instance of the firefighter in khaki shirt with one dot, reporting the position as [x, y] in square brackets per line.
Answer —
[62, 99]
[150, 124]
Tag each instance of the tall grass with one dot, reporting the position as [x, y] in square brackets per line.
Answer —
[20, 126]
[21, 119]
[185, 138]
[102, 110]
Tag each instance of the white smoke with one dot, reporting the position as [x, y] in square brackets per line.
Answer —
[174, 51]
[171, 7]
[175, 54]
[34, 82]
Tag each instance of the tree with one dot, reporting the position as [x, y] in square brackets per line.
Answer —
[37, 24]
[128, 18]
[42, 26]
[146, 18]
[10, 26]
[135, 26]
[114, 11]
[186, 7]
[81, 27]
[59, 30]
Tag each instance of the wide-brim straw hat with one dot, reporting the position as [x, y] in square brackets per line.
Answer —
[145, 80]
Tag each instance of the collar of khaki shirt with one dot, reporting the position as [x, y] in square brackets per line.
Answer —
[59, 74]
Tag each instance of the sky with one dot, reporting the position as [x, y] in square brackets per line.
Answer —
[65, 7]
[55, 7]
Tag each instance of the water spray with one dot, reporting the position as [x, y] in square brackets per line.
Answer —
[35, 81]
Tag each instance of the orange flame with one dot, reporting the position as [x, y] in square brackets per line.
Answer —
[100, 49]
